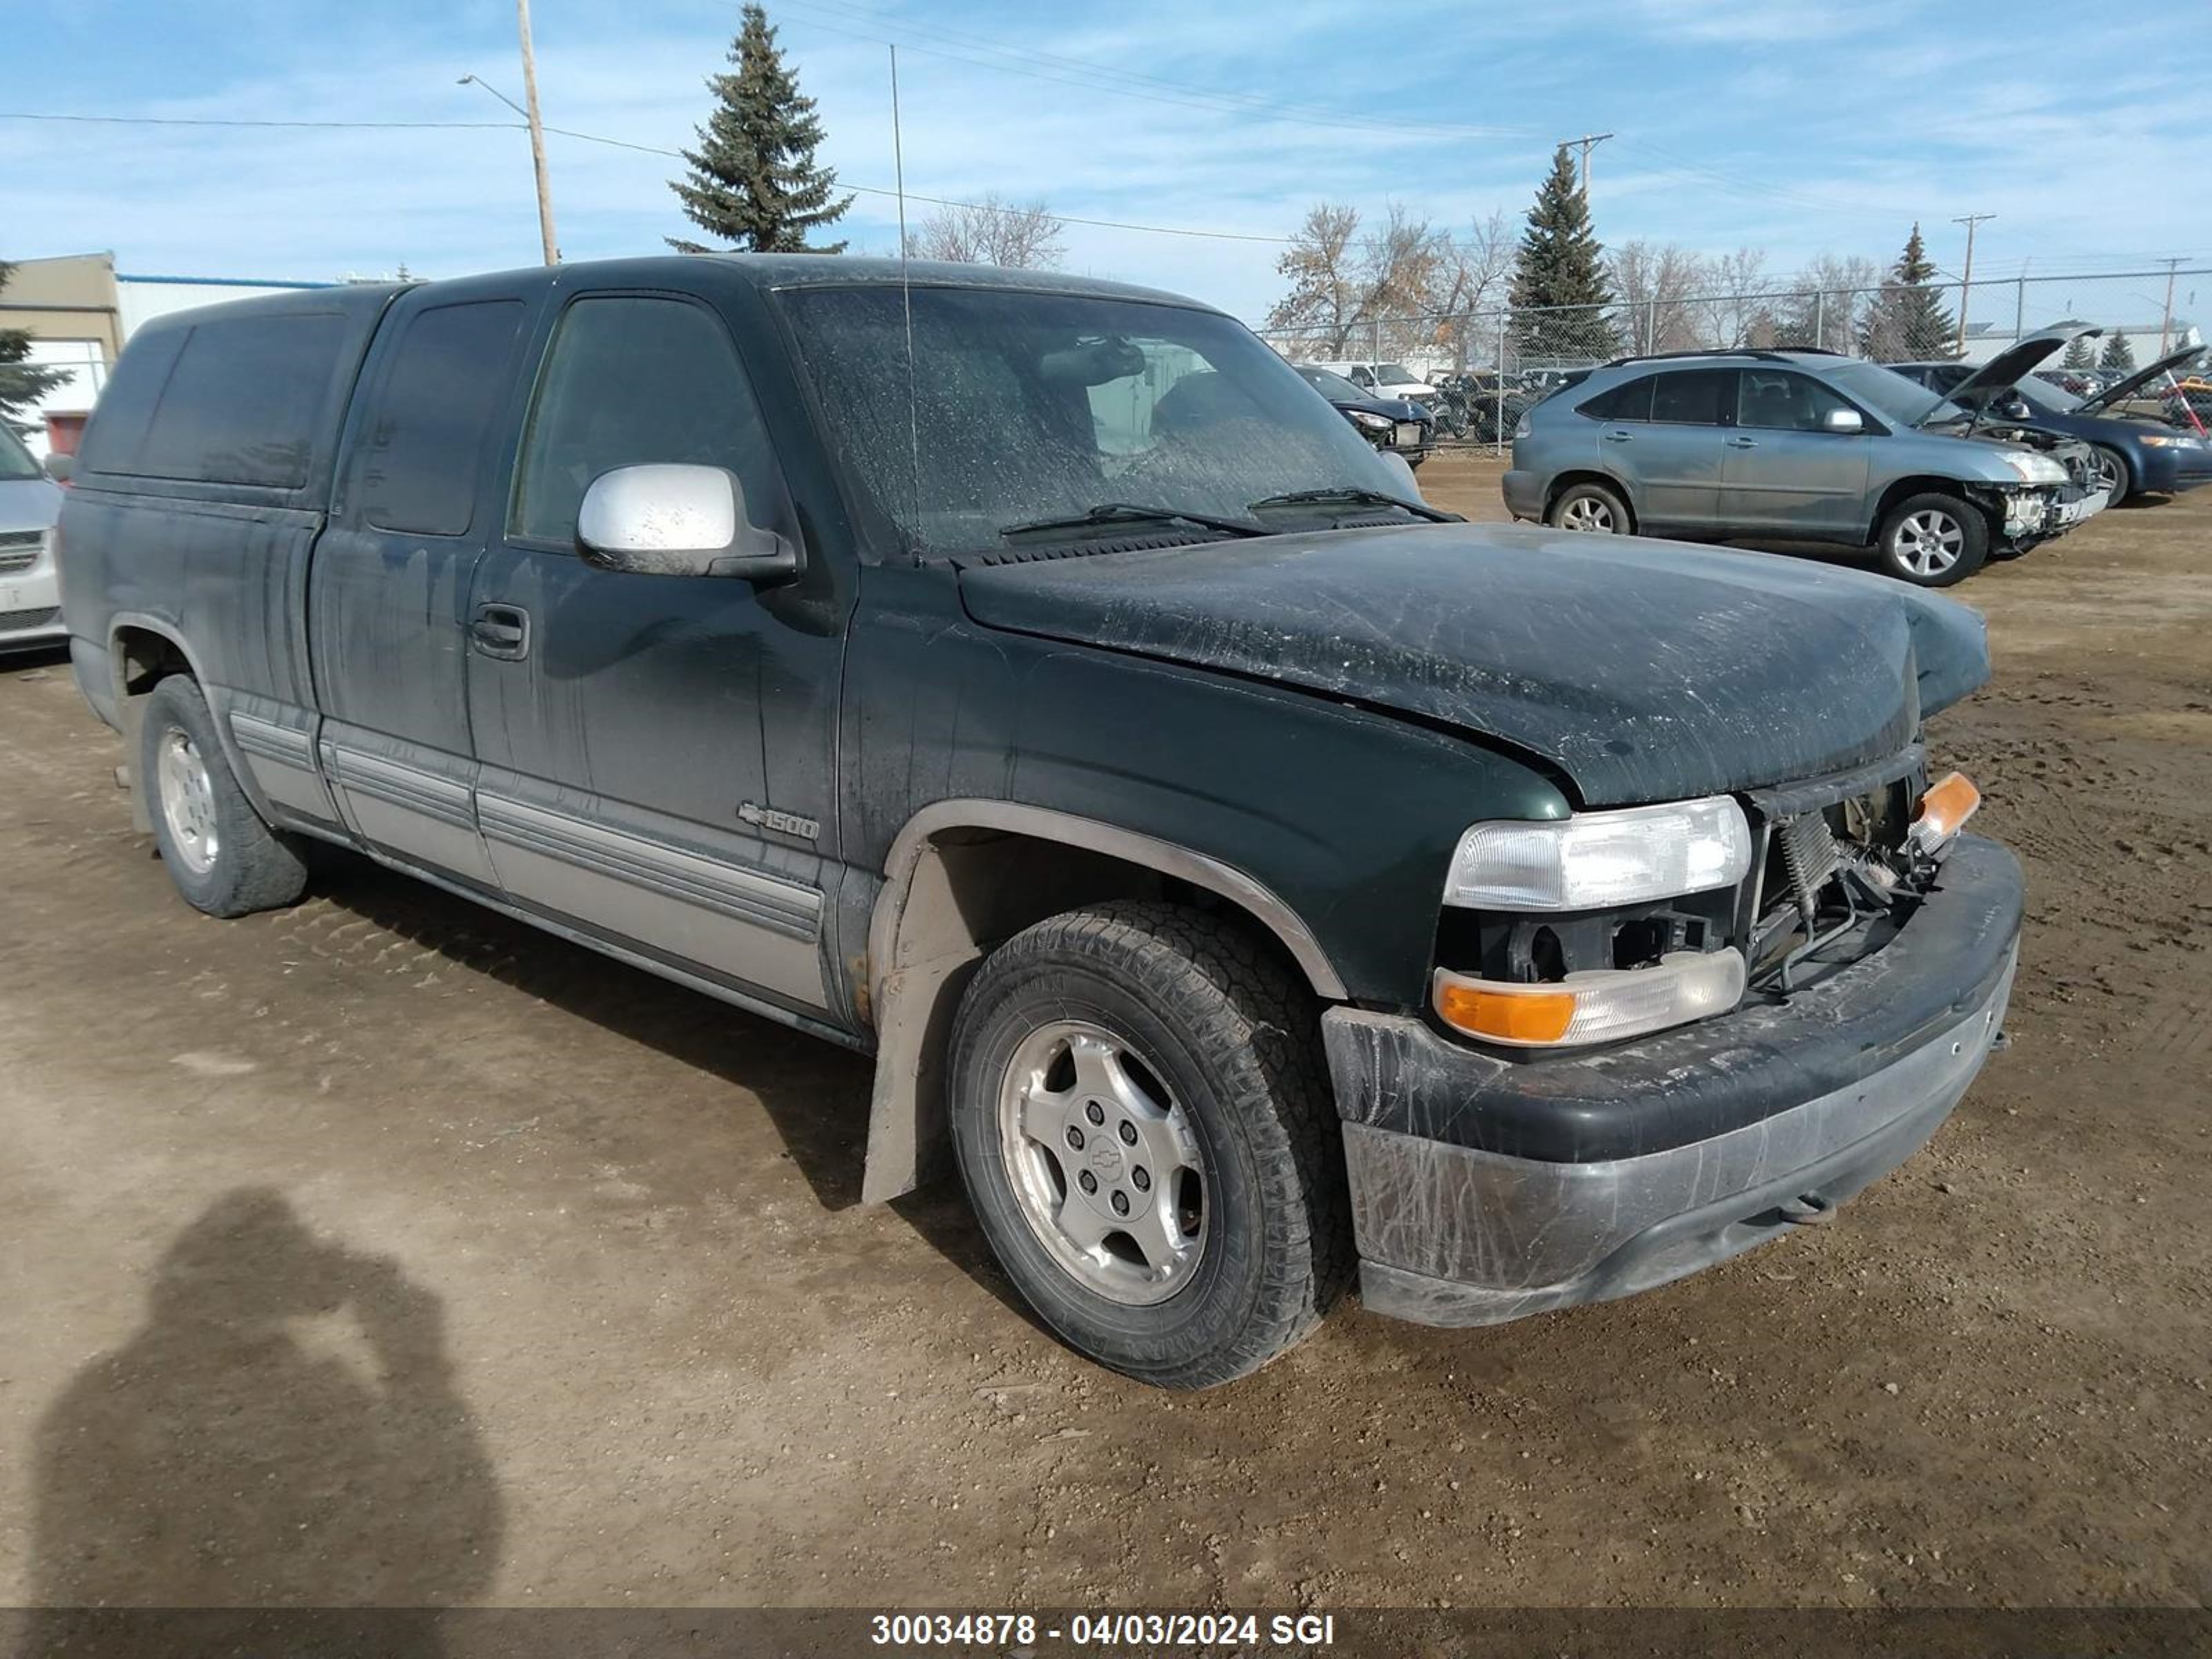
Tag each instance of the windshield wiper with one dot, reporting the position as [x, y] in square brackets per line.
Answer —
[1111, 513]
[1352, 495]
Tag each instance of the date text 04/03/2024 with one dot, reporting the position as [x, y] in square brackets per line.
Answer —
[1154, 1630]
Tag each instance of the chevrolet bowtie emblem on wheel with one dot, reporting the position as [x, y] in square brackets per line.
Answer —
[784, 823]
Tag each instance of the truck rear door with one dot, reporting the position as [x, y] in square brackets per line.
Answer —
[388, 588]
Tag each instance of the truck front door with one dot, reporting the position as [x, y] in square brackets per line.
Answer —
[657, 750]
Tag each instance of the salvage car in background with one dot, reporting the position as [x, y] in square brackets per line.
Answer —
[1792, 446]
[2132, 454]
[30, 600]
[1405, 428]
[1382, 380]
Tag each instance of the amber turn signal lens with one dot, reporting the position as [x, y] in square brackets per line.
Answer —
[1944, 810]
[1519, 1017]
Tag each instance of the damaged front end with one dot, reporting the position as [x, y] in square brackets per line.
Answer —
[2058, 486]
[1609, 1095]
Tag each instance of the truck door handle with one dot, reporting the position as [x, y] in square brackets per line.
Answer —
[1743, 443]
[501, 630]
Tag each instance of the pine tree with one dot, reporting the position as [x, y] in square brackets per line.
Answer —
[2118, 353]
[1560, 264]
[23, 382]
[2078, 354]
[754, 184]
[1908, 320]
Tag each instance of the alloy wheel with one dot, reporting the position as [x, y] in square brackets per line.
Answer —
[1928, 541]
[1587, 513]
[1104, 1162]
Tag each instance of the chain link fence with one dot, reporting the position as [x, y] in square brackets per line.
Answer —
[1490, 363]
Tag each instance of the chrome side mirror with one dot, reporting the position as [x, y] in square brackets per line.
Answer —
[676, 519]
[1843, 420]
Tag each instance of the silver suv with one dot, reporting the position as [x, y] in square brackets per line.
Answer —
[1792, 446]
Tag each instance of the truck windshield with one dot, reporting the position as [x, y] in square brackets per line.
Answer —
[1030, 407]
[16, 462]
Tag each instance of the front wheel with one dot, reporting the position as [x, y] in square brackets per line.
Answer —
[1933, 540]
[2113, 476]
[223, 859]
[1142, 1118]
[1591, 509]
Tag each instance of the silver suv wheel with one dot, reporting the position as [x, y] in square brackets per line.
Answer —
[1588, 512]
[1928, 543]
[1102, 1161]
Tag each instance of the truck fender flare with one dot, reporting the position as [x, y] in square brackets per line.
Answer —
[921, 950]
[127, 720]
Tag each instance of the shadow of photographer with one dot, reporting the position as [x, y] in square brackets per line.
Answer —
[282, 1432]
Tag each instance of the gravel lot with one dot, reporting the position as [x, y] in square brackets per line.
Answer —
[383, 1250]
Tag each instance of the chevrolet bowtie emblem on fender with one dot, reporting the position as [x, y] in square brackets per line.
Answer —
[784, 823]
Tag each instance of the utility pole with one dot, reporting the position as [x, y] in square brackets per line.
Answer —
[1585, 141]
[2166, 318]
[536, 147]
[537, 135]
[1966, 281]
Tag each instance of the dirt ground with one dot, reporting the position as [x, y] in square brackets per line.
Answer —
[382, 1250]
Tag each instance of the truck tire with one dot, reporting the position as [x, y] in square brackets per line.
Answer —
[1142, 1117]
[1933, 540]
[223, 859]
[1592, 508]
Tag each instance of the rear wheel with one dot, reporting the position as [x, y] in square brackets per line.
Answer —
[1591, 507]
[2113, 476]
[1933, 540]
[1143, 1120]
[223, 859]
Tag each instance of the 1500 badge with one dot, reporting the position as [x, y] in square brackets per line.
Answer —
[784, 823]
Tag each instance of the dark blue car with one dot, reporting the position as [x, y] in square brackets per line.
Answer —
[2136, 455]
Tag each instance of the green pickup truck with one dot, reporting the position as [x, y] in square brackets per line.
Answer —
[1248, 877]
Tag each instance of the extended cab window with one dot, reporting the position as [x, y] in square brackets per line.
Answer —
[629, 380]
[421, 451]
[1693, 397]
[234, 400]
[1628, 401]
[1776, 400]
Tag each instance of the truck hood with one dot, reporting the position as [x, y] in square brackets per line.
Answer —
[1640, 670]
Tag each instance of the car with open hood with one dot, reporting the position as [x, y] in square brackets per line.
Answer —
[1403, 428]
[1795, 445]
[1245, 876]
[2131, 454]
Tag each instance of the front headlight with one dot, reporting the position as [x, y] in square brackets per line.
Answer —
[2034, 469]
[2165, 440]
[1361, 418]
[1594, 860]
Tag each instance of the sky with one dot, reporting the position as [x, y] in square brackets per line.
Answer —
[1794, 129]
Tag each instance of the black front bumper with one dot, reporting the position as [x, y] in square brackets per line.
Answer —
[1485, 1189]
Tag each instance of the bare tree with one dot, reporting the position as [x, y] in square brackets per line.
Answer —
[1324, 303]
[1404, 262]
[1737, 310]
[991, 232]
[1658, 284]
[1831, 295]
[1476, 274]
